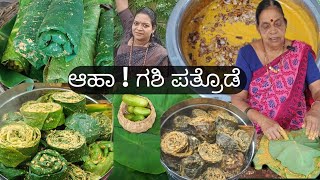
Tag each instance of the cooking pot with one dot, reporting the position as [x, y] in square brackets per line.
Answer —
[185, 9]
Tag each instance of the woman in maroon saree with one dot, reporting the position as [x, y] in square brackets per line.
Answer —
[283, 78]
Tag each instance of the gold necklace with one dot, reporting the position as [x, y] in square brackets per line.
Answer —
[145, 54]
[274, 70]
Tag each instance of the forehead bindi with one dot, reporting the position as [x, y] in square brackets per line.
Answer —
[270, 15]
[143, 19]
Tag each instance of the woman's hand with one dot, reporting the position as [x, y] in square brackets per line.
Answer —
[272, 129]
[312, 124]
[121, 5]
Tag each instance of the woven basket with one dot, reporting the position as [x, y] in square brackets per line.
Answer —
[136, 126]
[8, 12]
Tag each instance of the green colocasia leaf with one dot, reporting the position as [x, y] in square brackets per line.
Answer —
[297, 153]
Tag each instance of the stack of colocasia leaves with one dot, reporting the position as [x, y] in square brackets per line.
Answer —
[57, 136]
[49, 38]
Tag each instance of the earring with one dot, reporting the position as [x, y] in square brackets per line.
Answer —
[152, 34]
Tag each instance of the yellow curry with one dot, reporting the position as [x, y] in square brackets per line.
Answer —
[215, 34]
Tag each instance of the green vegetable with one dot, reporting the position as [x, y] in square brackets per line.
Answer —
[142, 143]
[130, 109]
[58, 69]
[129, 116]
[303, 161]
[105, 49]
[141, 111]
[48, 164]
[5, 33]
[70, 101]
[133, 100]
[76, 173]
[11, 173]
[61, 29]
[44, 116]
[71, 144]
[18, 142]
[100, 158]
[138, 117]
[25, 40]
[91, 108]
[11, 58]
[105, 123]
[86, 125]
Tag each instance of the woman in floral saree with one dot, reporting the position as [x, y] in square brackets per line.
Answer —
[283, 88]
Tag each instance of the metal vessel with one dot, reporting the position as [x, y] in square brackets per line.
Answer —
[187, 8]
[188, 105]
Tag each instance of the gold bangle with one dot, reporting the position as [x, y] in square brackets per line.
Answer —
[247, 109]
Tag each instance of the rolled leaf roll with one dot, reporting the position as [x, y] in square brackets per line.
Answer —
[76, 173]
[11, 59]
[71, 144]
[18, 142]
[58, 69]
[61, 29]
[100, 158]
[44, 116]
[105, 50]
[48, 164]
[86, 125]
[25, 40]
[70, 101]
[105, 123]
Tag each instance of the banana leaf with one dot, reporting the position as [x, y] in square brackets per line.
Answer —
[71, 144]
[18, 142]
[76, 173]
[61, 29]
[142, 144]
[58, 69]
[100, 158]
[11, 58]
[44, 116]
[25, 41]
[105, 123]
[48, 164]
[70, 101]
[124, 173]
[104, 47]
[86, 125]
[4, 35]
[10, 78]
